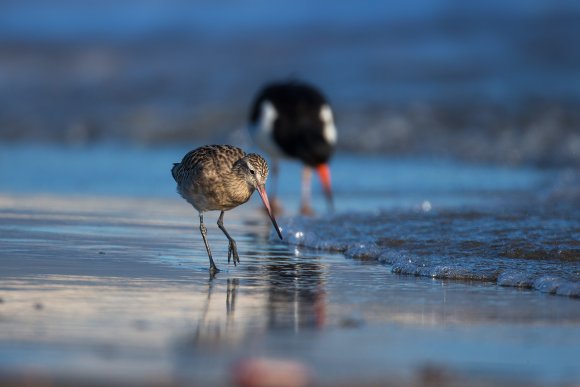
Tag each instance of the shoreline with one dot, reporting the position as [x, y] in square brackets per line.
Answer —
[105, 281]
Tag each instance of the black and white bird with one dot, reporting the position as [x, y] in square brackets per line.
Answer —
[294, 120]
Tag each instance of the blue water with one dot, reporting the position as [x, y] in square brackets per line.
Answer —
[141, 171]
[424, 217]
[428, 265]
[493, 82]
[508, 246]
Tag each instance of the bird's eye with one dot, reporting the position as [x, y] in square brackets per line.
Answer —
[252, 172]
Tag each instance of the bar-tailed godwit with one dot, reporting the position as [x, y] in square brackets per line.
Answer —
[219, 178]
[294, 120]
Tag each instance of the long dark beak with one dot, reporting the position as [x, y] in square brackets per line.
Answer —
[262, 192]
[324, 174]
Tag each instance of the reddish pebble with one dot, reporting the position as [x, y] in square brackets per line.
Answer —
[261, 372]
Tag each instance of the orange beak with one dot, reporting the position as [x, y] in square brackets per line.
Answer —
[262, 192]
[324, 174]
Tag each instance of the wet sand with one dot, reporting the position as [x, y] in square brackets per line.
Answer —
[116, 291]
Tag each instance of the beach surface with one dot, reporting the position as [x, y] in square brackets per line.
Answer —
[110, 285]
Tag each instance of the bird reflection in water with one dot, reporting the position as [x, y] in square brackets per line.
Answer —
[290, 297]
[211, 329]
[295, 287]
[231, 291]
[294, 284]
[278, 290]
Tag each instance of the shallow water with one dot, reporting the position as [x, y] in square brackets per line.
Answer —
[535, 248]
[105, 275]
[118, 289]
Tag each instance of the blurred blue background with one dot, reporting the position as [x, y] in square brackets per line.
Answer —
[494, 81]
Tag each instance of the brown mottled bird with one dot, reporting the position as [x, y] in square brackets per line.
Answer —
[219, 178]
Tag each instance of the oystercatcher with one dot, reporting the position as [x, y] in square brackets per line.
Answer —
[294, 120]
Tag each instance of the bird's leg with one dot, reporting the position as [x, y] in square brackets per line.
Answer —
[305, 208]
[212, 267]
[232, 249]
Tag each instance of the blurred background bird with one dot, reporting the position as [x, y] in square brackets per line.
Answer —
[294, 120]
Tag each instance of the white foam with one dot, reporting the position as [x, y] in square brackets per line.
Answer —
[458, 246]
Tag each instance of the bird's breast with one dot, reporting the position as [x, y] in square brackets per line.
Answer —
[216, 195]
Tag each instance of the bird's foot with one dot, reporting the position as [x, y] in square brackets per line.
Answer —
[213, 270]
[233, 253]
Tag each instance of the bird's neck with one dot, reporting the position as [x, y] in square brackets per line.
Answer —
[238, 189]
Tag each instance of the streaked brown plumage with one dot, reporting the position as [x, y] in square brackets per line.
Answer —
[219, 178]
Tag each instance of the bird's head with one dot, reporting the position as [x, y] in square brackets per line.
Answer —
[254, 170]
